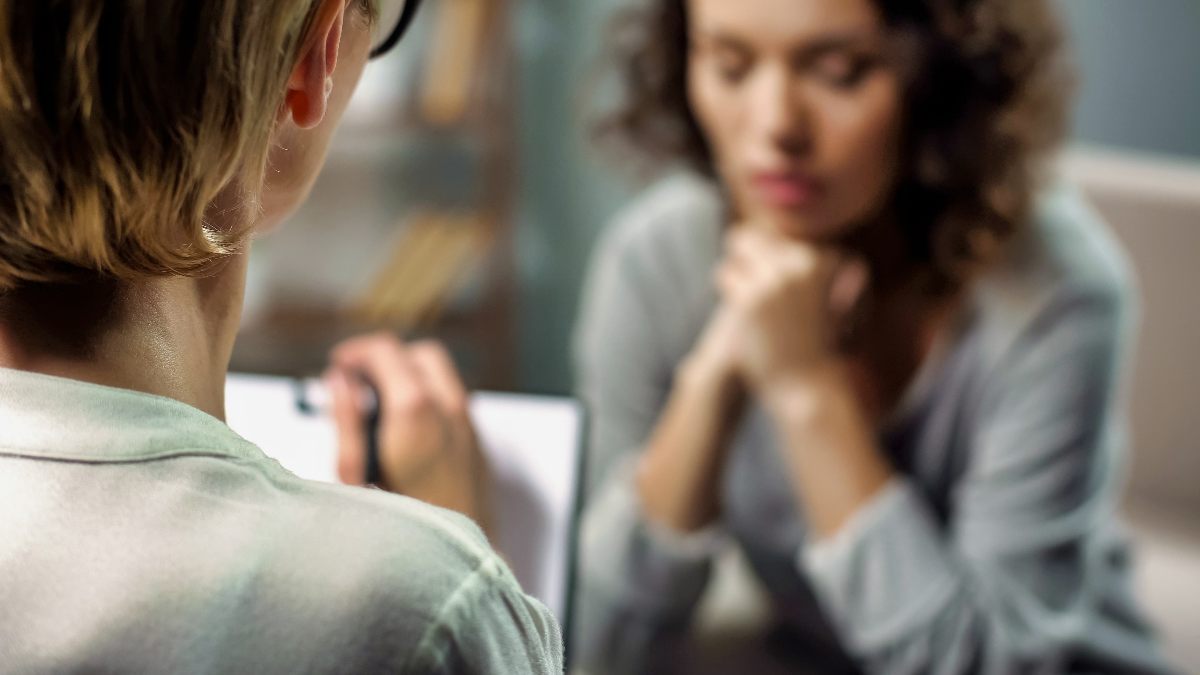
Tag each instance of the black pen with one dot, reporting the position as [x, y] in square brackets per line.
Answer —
[312, 398]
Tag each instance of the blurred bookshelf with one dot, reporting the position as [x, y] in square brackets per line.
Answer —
[410, 227]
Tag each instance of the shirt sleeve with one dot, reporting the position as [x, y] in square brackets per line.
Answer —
[638, 586]
[1013, 579]
[488, 626]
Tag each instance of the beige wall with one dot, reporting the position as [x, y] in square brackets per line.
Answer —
[1154, 207]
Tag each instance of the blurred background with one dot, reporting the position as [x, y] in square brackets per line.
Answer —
[462, 199]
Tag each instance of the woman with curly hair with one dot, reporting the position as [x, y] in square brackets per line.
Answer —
[862, 337]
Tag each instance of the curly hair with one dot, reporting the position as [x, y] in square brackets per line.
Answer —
[986, 97]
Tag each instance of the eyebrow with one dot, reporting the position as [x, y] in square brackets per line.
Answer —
[823, 44]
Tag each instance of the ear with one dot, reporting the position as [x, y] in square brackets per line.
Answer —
[311, 80]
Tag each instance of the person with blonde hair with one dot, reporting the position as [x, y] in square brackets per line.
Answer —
[144, 143]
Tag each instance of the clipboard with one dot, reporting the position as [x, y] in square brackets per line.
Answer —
[533, 443]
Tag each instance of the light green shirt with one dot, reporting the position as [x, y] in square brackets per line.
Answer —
[138, 534]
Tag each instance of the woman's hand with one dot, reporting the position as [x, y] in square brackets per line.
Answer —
[427, 445]
[714, 359]
[792, 299]
[789, 299]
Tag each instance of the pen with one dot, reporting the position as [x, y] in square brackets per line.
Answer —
[312, 398]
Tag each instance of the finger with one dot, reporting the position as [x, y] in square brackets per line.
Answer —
[441, 375]
[771, 257]
[350, 425]
[360, 348]
[744, 244]
[731, 256]
[722, 331]
[748, 258]
[734, 284]
[848, 286]
[445, 382]
[389, 367]
[801, 260]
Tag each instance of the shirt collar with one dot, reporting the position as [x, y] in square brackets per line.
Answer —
[56, 418]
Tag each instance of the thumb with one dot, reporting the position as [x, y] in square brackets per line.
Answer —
[849, 284]
[347, 417]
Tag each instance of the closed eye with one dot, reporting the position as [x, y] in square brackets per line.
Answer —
[842, 70]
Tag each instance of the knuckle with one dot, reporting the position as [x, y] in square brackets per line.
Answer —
[798, 262]
[388, 343]
[409, 404]
[432, 350]
[344, 350]
[776, 283]
[364, 344]
[383, 337]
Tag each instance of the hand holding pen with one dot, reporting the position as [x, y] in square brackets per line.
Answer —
[427, 447]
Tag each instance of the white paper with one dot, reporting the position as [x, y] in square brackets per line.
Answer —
[532, 443]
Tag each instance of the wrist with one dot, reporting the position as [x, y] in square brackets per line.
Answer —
[807, 396]
[707, 375]
[669, 505]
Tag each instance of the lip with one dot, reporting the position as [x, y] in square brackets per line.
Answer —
[788, 189]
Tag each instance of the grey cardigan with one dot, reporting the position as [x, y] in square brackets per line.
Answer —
[997, 551]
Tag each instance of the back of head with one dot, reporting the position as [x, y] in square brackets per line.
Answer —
[123, 123]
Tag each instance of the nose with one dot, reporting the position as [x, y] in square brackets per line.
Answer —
[781, 116]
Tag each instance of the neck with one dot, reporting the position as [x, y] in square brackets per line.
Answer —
[169, 337]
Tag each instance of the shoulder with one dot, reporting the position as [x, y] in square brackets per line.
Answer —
[1065, 273]
[650, 282]
[1054, 322]
[680, 215]
[392, 566]
[386, 534]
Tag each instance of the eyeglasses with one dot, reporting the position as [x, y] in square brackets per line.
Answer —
[394, 18]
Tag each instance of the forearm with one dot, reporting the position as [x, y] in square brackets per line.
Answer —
[907, 598]
[679, 474]
[834, 462]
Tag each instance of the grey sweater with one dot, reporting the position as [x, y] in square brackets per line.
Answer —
[996, 551]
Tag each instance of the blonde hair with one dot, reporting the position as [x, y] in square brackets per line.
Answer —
[121, 123]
